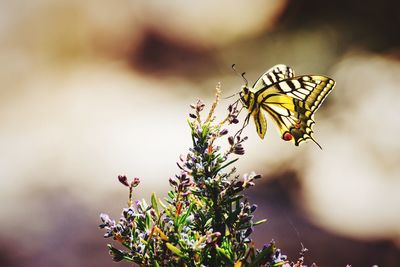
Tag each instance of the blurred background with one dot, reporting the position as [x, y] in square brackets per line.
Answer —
[94, 89]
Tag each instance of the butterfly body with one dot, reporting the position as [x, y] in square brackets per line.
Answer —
[289, 100]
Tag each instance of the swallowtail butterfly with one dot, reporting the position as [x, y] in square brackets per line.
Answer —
[291, 101]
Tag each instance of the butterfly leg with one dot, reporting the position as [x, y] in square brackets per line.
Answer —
[245, 123]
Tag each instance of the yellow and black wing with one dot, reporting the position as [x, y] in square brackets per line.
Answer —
[275, 74]
[272, 76]
[292, 104]
[260, 122]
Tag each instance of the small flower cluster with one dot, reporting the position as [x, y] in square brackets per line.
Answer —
[205, 220]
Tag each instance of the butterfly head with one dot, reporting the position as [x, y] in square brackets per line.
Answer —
[245, 96]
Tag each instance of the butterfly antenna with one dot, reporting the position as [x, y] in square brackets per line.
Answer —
[244, 78]
[234, 69]
[242, 75]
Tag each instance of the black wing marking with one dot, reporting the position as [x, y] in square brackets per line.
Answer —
[294, 114]
[275, 74]
[311, 89]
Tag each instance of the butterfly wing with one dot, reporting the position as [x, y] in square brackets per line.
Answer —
[311, 89]
[292, 104]
[260, 122]
[275, 74]
[282, 110]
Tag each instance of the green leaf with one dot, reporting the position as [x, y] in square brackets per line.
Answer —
[205, 129]
[259, 222]
[237, 203]
[144, 203]
[148, 217]
[169, 213]
[175, 250]
[162, 205]
[224, 255]
[279, 264]
[226, 165]
[154, 203]
[171, 194]
[118, 255]
[141, 224]
[208, 222]
[190, 124]
[201, 216]
[184, 216]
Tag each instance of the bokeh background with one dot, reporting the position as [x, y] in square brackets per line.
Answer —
[94, 89]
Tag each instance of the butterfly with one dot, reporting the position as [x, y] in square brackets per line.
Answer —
[291, 101]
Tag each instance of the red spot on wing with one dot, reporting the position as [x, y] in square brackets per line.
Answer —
[287, 136]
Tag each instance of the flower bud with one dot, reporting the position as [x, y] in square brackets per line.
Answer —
[135, 182]
[238, 149]
[223, 132]
[253, 208]
[123, 180]
[200, 105]
[230, 140]
[172, 182]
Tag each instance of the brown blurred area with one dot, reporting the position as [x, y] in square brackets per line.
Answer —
[94, 89]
